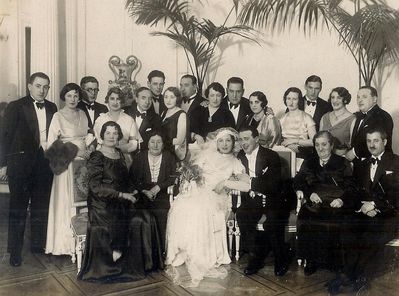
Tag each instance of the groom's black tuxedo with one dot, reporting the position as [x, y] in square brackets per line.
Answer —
[267, 181]
[29, 175]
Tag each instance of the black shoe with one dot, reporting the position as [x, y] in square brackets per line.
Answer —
[15, 260]
[310, 268]
[251, 270]
[280, 270]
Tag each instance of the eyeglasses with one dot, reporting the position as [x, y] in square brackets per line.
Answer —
[92, 90]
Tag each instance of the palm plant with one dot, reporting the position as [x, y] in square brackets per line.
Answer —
[198, 37]
[369, 29]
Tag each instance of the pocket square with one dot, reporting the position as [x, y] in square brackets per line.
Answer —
[148, 129]
[265, 170]
[388, 172]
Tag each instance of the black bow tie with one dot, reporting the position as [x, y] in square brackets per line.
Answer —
[156, 99]
[374, 160]
[310, 103]
[187, 100]
[235, 106]
[89, 107]
[39, 105]
[362, 115]
[139, 114]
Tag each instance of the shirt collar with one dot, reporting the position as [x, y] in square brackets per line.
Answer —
[254, 152]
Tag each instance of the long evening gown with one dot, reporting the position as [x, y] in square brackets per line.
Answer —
[59, 234]
[196, 230]
[115, 224]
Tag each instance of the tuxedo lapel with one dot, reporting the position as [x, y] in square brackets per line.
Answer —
[259, 163]
[31, 118]
[244, 161]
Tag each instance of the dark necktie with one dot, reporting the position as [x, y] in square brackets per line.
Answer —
[39, 105]
[374, 160]
[235, 106]
[187, 100]
[139, 114]
[310, 103]
[156, 99]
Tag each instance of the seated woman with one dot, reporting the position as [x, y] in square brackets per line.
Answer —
[122, 243]
[151, 173]
[115, 99]
[325, 182]
[298, 127]
[267, 125]
[212, 117]
[174, 123]
[338, 122]
[196, 230]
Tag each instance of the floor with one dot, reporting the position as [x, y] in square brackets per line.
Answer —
[56, 275]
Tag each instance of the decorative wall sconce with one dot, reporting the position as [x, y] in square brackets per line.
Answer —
[125, 75]
[4, 11]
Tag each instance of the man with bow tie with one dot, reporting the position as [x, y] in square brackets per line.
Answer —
[156, 82]
[314, 105]
[235, 102]
[264, 203]
[88, 104]
[376, 218]
[22, 145]
[370, 115]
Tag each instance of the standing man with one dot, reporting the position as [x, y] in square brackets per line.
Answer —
[22, 145]
[235, 102]
[370, 115]
[314, 105]
[88, 104]
[156, 82]
[263, 203]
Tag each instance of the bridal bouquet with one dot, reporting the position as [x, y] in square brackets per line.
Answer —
[189, 174]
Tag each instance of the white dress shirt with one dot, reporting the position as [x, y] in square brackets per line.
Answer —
[310, 109]
[373, 167]
[42, 120]
[234, 111]
[252, 162]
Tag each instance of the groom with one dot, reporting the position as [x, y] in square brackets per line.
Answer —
[263, 202]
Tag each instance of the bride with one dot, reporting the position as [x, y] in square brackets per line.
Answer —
[196, 230]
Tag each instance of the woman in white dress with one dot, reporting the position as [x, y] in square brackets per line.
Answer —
[69, 125]
[115, 99]
[196, 230]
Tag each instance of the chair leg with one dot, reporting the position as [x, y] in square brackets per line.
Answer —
[237, 234]
[230, 226]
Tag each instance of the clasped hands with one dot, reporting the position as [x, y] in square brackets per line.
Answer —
[368, 208]
[129, 196]
[152, 193]
[315, 198]
[221, 186]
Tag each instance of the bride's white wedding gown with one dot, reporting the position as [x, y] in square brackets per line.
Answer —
[196, 229]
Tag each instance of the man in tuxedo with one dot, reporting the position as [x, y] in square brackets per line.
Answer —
[88, 104]
[235, 102]
[370, 115]
[263, 203]
[156, 82]
[146, 119]
[22, 145]
[313, 104]
[376, 218]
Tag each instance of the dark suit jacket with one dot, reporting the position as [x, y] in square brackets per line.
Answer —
[193, 107]
[376, 117]
[242, 114]
[221, 118]
[268, 176]
[151, 122]
[20, 139]
[322, 107]
[384, 190]
[98, 109]
[162, 106]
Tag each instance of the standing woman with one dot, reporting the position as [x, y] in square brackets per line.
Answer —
[267, 125]
[338, 122]
[69, 125]
[174, 123]
[115, 99]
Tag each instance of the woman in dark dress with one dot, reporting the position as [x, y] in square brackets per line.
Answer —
[325, 182]
[174, 123]
[122, 243]
[209, 119]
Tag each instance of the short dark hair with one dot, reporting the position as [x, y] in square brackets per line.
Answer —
[261, 97]
[142, 88]
[111, 124]
[325, 134]
[115, 90]
[192, 77]
[156, 132]
[372, 90]
[314, 78]
[68, 87]
[253, 130]
[301, 101]
[177, 94]
[39, 75]
[237, 80]
[155, 73]
[88, 79]
[216, 86]
[343, 93]
[377, 129]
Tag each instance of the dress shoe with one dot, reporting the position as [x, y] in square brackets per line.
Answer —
[251, 270]
[310, 268]
[280, 270]
[15, 260]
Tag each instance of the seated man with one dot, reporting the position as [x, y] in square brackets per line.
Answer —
[376, 219]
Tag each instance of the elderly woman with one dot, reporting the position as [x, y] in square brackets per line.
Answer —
[267, 125]
[325, 183]
[152, 172]
[212, 117]
[298, 127]
[115, 100]
[174, 123]
[122, 243]
[338, 122]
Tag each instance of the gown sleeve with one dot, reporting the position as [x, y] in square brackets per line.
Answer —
[54, 130]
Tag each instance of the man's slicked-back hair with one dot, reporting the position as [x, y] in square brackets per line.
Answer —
[253, 130]
[39, 75]
[88, 79]
[155, 73]
[313, 78]
[192, 77]
[372, 90]
[377, 129]
[236, 80]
